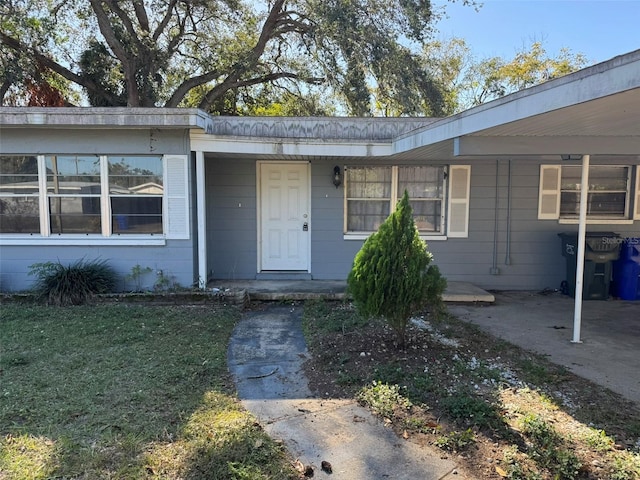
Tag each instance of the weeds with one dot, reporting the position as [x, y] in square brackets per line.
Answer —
[383, 399]
[456, 441]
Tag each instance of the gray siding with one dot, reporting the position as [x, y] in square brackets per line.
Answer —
[534, 261]
[93, 141]
[175, 259]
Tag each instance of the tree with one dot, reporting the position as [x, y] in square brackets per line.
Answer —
[467, 82]
[391, 275]
[215, 54]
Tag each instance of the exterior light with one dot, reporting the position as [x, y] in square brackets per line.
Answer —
[337, 177]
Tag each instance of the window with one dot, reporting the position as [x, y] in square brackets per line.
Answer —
[135, 192]
[19, 195]
[371, 193]
[108, 196]
[609, 195]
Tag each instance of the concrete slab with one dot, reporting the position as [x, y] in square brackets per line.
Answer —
[542, 322]
[266, 354]
[270, 290]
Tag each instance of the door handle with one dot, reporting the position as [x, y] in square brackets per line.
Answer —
[305, 227]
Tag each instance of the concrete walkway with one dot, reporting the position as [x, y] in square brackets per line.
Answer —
[266, 354]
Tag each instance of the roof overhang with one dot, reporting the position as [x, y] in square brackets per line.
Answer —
[594, 111]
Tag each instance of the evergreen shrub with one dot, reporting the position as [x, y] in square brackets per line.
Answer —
[392, 276]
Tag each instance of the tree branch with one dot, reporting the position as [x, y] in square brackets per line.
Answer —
[56, 67]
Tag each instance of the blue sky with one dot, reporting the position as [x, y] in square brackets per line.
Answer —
[598, 29]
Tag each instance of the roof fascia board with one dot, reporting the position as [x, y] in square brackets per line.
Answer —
[209, 143]
[545, 145]
[104, 117]
[608, 78]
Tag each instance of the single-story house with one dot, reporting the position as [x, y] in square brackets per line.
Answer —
[203, 198]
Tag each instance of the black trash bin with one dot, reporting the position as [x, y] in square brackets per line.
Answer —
[626, 270]
[601, 250]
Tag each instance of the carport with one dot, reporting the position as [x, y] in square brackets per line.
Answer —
[578, 118]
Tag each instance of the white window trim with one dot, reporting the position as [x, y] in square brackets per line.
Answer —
[633, 191]
[427, 236]
[106, 237]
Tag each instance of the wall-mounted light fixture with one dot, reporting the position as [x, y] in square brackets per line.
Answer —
[570, 156]
[337, 177]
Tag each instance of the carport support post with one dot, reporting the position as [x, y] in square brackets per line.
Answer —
[582, 233]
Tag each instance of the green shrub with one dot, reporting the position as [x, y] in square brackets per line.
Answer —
[391, 275]
[74, 284]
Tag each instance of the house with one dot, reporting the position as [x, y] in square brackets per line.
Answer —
[200, 198]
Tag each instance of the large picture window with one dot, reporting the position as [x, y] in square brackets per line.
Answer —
[107, 196]
[372, 193]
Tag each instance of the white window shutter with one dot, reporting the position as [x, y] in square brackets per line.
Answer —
[176, 196]
[459, 189]
[636, 207]
[549, 193]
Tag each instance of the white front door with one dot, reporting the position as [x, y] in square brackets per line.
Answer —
[284, 220]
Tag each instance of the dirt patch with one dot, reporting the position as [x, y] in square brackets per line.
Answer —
[498, 409]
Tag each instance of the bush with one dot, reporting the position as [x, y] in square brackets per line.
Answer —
[391, 275]
[75, 284]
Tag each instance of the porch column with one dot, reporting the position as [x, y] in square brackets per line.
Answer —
[582, 233]
[201, 220]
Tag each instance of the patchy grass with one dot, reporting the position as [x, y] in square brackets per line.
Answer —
[504, 412]
[125, 392]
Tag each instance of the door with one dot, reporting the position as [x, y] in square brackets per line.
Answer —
[284, 216]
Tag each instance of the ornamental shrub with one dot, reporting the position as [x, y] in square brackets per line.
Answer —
[73, 284]
[392, 276]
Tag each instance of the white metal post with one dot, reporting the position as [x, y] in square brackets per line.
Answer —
[201, 220]
[582, 233]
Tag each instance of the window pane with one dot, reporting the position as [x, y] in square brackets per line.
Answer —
[73, 175]
[421, 182]
[136, 215]
[19, 215]
[368, 182]
[427, 215]
[74, 215]
[135, 175]
[18, 174]
[607, 191]
[366, 215]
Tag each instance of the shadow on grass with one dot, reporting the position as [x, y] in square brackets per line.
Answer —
[114, 391]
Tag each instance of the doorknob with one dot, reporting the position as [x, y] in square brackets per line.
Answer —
[305, 227]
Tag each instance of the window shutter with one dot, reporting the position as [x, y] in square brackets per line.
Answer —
[636, 207]
[176, 199]
[549, 194]
[459, 188]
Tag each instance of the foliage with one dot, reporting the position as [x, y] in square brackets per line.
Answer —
[456, 441]
[117, 391]
[391, 275]
[469, 409]
[383, 399]
[74, 284]
[466, 81]
[548, 448]
[219, 55]
[137, 272]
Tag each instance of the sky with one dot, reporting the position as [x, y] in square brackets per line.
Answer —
[599, 29]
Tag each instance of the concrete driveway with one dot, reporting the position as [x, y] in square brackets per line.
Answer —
[543, 323]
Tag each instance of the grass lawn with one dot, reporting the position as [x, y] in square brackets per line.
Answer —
[130, 392]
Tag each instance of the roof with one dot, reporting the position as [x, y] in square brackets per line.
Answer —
[594, 110]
